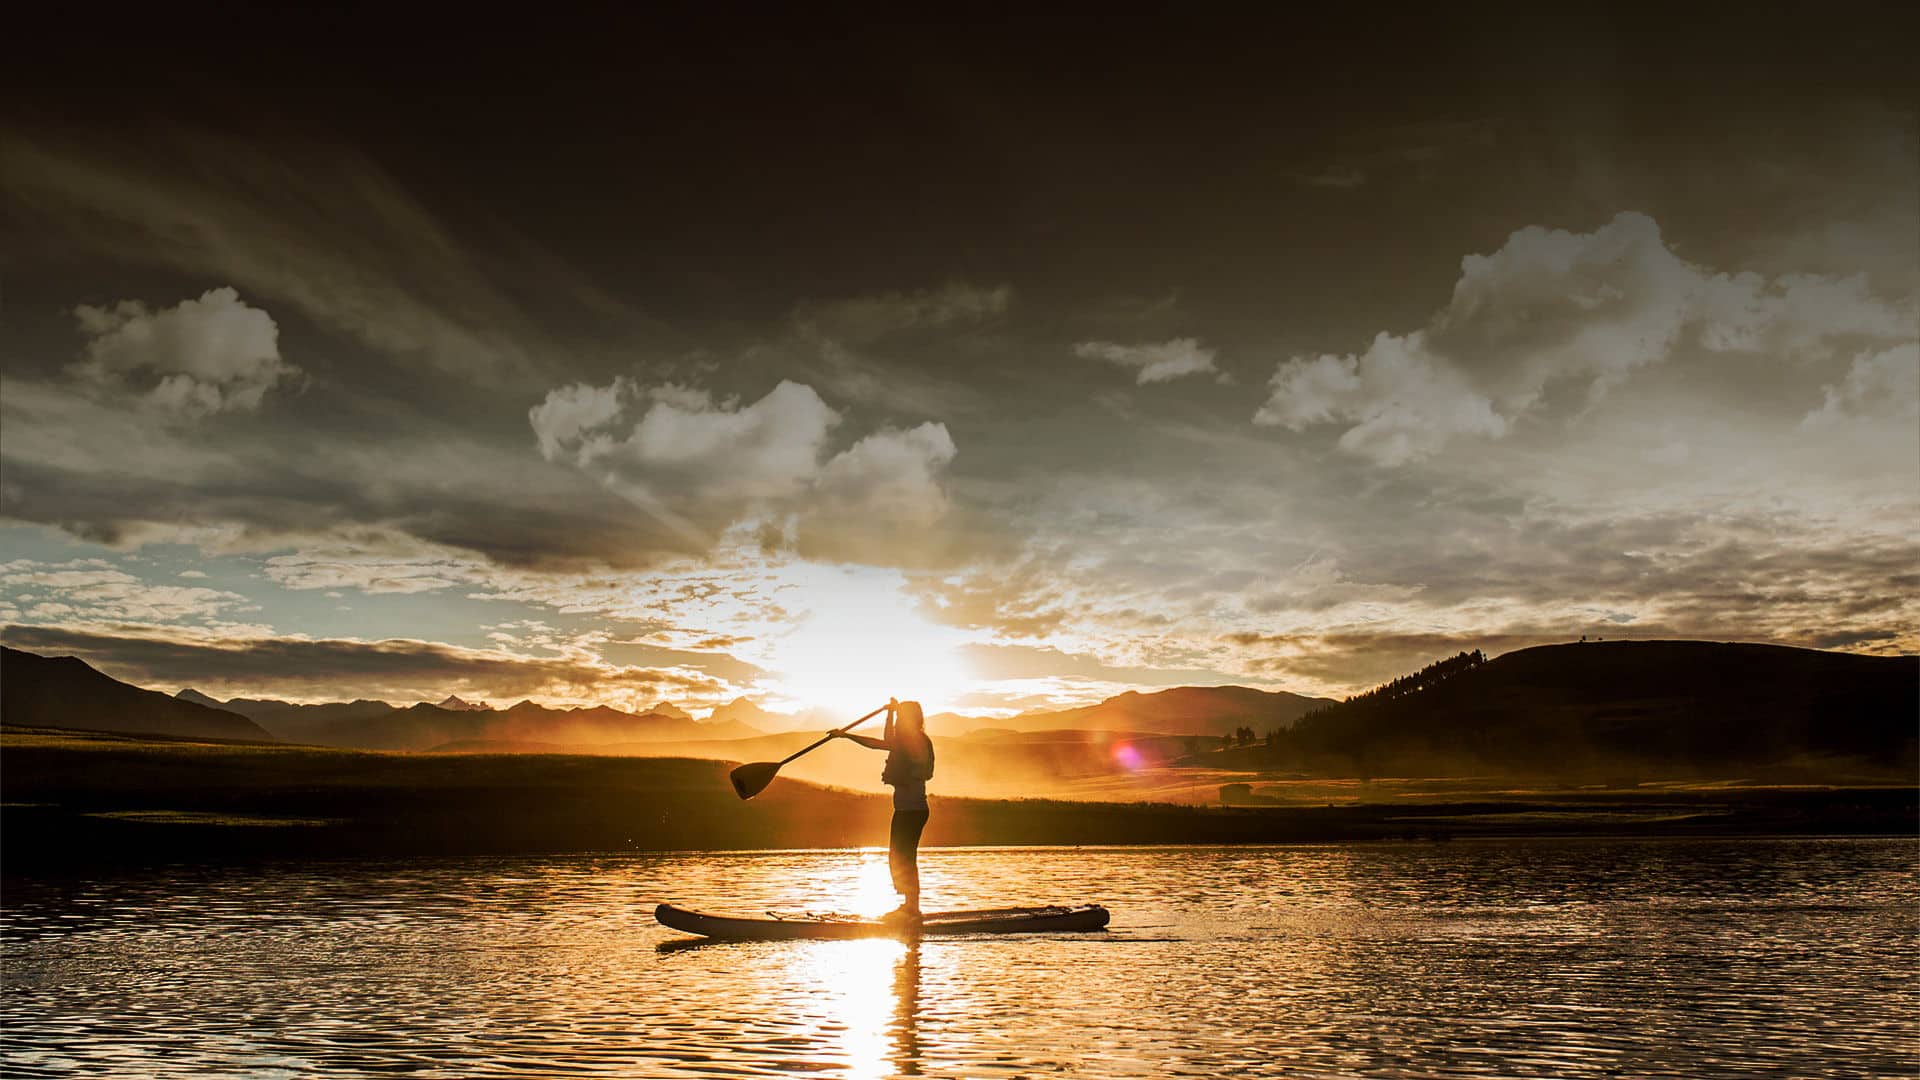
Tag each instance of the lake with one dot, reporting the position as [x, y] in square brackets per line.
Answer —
[1686, 958]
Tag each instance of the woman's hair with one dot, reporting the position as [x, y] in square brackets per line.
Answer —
[908, 724]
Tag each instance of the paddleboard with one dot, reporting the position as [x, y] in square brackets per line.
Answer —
[780, 927]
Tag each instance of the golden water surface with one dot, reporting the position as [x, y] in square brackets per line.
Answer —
[1471, 959]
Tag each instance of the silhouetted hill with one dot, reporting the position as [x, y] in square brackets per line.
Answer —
[64, 692]
[1182, 710]
[1670, 708]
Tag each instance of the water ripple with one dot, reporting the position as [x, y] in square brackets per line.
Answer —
[1469, 959]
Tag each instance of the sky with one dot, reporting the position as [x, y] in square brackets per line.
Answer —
[1001, 361]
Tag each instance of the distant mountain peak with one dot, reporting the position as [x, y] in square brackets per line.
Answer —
[198, 698]
[455, 704]
[669, 709]
[742, 711]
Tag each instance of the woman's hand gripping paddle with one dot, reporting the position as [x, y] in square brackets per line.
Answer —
[751, 780]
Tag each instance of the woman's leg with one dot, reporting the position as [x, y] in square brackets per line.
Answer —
[903, 854]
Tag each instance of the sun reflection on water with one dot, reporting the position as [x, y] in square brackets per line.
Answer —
[870, 892]
[865, 1012]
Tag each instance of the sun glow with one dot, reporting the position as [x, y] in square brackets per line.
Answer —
[872, 894]
[866, 1007]
[859, 640]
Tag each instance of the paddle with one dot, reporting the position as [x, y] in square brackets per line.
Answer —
[751, 780]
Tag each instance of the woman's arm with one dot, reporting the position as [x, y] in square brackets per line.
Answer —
[867, 741]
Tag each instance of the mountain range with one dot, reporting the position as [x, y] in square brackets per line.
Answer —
[1574, 711]
[377, 725]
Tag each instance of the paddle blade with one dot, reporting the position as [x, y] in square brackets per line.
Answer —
[751, 780]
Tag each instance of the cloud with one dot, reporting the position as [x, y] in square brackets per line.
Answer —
[335, 472]
[863, 319]
[1362, 659]
[1553, 306]
[891, 473]
[1472, 556]
[565, 420]
[1392, 152]
[685, 446]
[1153, 363]
[1028, 597]
[1403, 402]
[1881, 386]
[317, 226]
[879, 501]
[886, 349]
[398, 669]
[204, 356]
[1025, 662]
[884, 384]
[707, 466]
[374, 565]
[92, 590]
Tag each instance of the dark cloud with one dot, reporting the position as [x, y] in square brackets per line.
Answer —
[1661, 387]
[296, 472]
[401, 670]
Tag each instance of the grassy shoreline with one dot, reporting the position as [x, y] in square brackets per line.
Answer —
[75, 798]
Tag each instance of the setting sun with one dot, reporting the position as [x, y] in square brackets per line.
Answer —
[860, 642]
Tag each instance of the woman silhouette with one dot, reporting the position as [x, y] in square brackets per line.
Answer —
[909, 767]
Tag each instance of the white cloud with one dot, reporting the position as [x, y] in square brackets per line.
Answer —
[1879, 386]
[708, 466]
[876, 501]
[687, 445]
[1151, 362]
[563, 421]
[94, 591]
[1551, 306]
[895, 473]
[204, 356]
[1403, 405]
